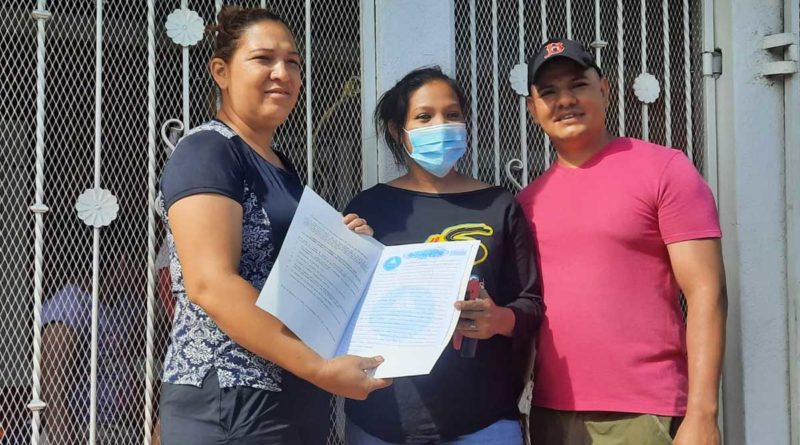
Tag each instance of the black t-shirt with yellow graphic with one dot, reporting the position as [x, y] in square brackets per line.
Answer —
[460, 396]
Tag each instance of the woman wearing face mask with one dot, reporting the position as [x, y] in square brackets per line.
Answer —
[463, 400]
[233, 373]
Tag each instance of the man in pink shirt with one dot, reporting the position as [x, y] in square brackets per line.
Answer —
[621, 226]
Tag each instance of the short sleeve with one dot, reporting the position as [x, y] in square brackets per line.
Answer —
[356, 205]
[70, 305]
[686, 207]
[203, 162]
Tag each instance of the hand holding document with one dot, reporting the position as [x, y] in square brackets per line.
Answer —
[345, 293]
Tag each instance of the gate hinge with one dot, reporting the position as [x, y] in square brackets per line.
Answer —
[41, 14]
[36, 405]
[712, 63]
[786, 43]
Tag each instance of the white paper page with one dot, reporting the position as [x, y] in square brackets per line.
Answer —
[320, 275]
[408, 315]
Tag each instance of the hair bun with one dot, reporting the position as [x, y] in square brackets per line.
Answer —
[229, 15]
[232, 21]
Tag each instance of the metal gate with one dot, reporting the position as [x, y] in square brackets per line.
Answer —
[650, 51]
[88, 90]
[95, 94]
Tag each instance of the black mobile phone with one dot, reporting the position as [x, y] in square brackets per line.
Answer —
[470, 345]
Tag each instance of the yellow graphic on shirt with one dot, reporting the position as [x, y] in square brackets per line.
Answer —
[464, 232]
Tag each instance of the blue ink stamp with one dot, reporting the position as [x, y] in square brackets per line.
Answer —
[427, 253]
[417, 325]
[391, 264]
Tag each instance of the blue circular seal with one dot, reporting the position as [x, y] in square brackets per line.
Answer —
[391, 264]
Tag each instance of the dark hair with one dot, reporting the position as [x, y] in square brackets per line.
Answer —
[232, 22]
[390, 114]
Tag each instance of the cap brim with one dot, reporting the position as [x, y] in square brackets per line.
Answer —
[557, 57]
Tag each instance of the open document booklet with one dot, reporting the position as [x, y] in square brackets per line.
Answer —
[345, 293]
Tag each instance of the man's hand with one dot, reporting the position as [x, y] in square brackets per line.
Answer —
[697, 429]
[698, 269]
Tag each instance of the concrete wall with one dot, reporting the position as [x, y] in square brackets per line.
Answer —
[753, 213]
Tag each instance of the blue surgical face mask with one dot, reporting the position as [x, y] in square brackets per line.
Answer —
[437, 148]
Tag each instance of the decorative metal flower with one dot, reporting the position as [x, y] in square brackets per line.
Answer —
[647, 88]
[519, 79]
[185, 27]
[97, 207]
[514, 165]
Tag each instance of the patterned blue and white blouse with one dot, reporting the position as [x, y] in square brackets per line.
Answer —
[213, 159]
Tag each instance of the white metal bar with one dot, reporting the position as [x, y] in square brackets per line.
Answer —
[543, 9]
[643, 30]
[791, 18]
[263, 3]
[687, 81]
[369, 95]
[780, 40]
[98, 91]
[185, 77]
[217, 92]
[95, 314]
[620, 69]
[598, 55]
[309, 120]
[523, 116]
[186, 101]
[546, 139]
[38, 208]
[151, 221]
[496, 93]
[473, 85]
[667, 75]
[569, 18]
[645, 107]
[98, 127]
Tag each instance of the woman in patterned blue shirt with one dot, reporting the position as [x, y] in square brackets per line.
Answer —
[229, 198]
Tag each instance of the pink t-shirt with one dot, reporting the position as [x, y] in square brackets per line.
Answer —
[613, 337]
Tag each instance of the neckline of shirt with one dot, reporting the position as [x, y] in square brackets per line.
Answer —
[595, 159]
[439, 195]
[289, 170]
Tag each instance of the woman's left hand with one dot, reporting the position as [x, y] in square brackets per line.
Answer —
[483, 319]
[358, 225]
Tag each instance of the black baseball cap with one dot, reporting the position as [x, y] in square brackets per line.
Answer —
[559, 48]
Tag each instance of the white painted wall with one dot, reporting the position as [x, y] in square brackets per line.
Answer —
[753, 213]
[410, 34]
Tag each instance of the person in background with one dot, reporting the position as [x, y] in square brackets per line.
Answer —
[66, 358]
[463, 400]
[621, 227]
